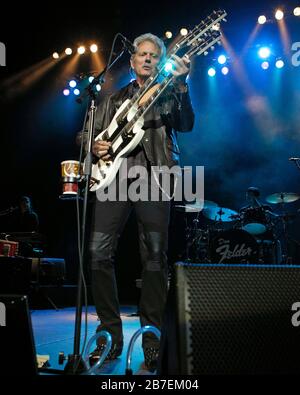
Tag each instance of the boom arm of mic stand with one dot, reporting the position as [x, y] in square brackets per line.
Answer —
[98, 80]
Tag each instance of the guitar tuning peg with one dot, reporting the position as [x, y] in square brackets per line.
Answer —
[212, 47]
[219, 43]
[205, 53]
[224, 20]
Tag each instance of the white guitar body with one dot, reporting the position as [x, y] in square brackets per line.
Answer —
[104, 172]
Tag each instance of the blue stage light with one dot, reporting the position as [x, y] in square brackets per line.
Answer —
[91, 78]
[264, 52]
[265, 65]
[72, 83]
[168, 67]
[211, 72]
[279, 64]
[222, 59]
[225, 70]
[76, 92]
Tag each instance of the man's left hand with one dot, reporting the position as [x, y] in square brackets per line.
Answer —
[181, 67]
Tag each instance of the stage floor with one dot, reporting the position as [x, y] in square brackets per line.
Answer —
[54, 333]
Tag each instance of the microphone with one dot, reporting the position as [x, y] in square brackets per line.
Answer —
[127, 44]
[294, 158]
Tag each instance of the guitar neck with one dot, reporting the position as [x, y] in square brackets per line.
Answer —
[148, 102]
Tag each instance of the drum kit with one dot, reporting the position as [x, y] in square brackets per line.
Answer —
[250, 235]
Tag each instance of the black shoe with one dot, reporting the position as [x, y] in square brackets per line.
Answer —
[151, 358]
[115, 352]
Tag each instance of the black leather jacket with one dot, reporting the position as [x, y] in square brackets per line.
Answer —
[170, 114]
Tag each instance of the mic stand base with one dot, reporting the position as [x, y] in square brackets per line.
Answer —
[75, 362]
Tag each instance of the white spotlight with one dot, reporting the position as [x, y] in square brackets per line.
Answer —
[261, 19]
[94, 48]
[168, 34]
[216, 27]
[279, 64]
[279, 15]
[55, 55]
[183, 31]
[225, 70]
[211, 72]
[68, 51]
[297, 11]
[72, 83]
[81, 50]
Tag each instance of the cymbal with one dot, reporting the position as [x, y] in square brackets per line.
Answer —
[196, 206]
[221, 214]
[282, 197]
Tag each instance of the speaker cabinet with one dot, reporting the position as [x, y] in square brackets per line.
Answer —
[231, 319]
[17, 349]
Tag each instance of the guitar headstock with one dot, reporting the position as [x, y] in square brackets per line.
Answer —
[204, 36]
[206, 32]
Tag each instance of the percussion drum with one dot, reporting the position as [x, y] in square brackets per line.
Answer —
[233, 246]
[254, 220]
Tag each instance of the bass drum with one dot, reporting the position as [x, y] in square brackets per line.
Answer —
[233, 246]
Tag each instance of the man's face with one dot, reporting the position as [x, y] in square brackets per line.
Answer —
[145, 60]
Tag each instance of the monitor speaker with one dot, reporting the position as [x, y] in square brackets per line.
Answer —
[232, 319]
[17, 349]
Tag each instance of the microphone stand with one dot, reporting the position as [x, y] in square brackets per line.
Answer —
[75, 364]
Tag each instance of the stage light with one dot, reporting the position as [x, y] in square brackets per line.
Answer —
[168, 34]
[66, 92]
[265, 65]
[279, 64]
[261, 19]
[297, 11]
[94, 48]
[211, 72]
[264, 52]
[216, 27]
[225, 70]
[72, 83]
[91, 78]
[81, 50]
[98, 87]
[68, 51]
[183, 31]
[222, 59]
[279, 15]
[55, 55]
[76, 92]
[168, 67]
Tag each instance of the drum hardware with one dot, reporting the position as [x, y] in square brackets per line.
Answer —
[195, 207]
[255, 220]
[220, 214]
[282, 197]
[285, 218]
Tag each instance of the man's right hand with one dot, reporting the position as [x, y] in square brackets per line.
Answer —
[100, 149]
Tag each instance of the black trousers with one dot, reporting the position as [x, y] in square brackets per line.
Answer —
[108, 220]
